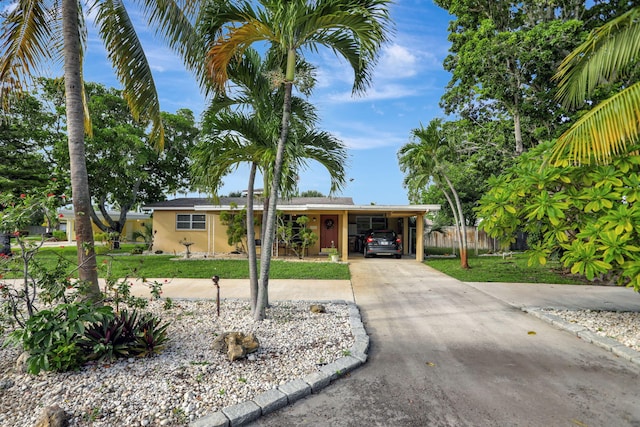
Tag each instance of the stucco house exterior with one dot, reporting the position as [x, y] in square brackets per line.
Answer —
[337, 221]
[135, 222]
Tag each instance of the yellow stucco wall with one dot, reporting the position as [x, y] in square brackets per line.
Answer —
[213, 240]
[168, 237]
[131, 226]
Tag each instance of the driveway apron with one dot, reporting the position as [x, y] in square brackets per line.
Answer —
[444, 353]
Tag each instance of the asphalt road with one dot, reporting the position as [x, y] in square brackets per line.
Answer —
[445, 353]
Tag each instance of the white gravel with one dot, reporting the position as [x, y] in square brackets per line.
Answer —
[188, 379]
[623, 327]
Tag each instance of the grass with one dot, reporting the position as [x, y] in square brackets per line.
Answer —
[497, 269]
[483, 268]
[161, 266]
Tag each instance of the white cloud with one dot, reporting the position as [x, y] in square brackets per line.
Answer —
[376, 92]
[364, 137]
[397, 62]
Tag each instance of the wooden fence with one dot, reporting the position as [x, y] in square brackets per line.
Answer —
[476, 240]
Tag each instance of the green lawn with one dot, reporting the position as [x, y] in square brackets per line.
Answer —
[162, 266]
[497, 269]
[483, 268]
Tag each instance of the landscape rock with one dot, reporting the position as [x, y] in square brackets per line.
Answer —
[6, 383]
[317, 308]
[236, 345]
[53, 416]
[21, 362]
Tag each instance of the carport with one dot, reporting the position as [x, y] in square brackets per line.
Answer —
[396, 217]
[340, 225]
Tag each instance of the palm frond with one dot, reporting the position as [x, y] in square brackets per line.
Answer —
[606, 131]
[330, 152]
[232, 46]
[175, 24]
[356, 32]
[25, 44]
[127, 55]
[608, 50]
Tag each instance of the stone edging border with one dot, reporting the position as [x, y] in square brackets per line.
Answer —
[288, 393]
[582, 332]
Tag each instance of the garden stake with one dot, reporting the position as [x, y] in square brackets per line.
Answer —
[217, 285]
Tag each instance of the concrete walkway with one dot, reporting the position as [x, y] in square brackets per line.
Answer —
[294, 290]
[447, 353]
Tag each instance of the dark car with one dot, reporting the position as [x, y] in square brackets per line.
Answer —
[382, 242]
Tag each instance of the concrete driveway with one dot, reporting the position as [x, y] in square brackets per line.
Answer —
[445, 353]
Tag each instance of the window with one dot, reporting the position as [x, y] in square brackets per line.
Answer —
[365, 223]
[190, 222]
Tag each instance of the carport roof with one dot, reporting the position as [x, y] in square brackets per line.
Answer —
[300, 204]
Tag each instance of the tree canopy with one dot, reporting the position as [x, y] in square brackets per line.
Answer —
[502, 57]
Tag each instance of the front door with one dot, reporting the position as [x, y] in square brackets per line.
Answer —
[328, 231]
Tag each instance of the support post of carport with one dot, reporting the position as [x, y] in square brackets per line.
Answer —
[344, 239]
[420, 237]
[406, 244]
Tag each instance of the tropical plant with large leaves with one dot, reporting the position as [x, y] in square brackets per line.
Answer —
[570, 213]
[612, 127]
[31, 40]
[243, 128]
[352, 29]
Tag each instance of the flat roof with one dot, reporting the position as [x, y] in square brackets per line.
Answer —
[296, 204]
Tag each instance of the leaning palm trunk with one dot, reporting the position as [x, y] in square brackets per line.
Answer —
[87, 266]
[455, 216]
[270, 226]
[461, 228]
[251, 241]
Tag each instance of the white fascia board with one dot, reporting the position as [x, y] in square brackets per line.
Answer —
[324, 207]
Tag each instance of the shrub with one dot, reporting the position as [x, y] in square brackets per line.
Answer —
[59, 235]
[586, 215]
[151, 336]
[71, 331]
[112, 338]
[51, 337]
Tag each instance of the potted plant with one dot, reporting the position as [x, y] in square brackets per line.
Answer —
[333, 254]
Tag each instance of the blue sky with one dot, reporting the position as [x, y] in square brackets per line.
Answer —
[407, 85]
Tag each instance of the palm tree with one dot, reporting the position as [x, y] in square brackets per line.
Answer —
[422, 162]
[245, 128]
[612, 127]
[30, 37]
[353, 29]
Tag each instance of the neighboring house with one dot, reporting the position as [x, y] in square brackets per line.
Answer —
[135, 222]
[338, 222]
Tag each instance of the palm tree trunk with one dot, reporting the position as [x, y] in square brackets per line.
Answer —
[251, 240]
[456, 220]
[270, 226]
[464, 258]
[87, 266]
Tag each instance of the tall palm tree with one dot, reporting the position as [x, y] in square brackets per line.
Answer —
[353, 29]
[30, 37]
[423, 162]
[612, 127]
[244, 129]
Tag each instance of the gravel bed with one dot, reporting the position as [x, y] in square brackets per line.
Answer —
[188, 379]
[622, 326]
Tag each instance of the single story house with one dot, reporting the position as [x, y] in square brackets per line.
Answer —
[337, 222]
[135, 222]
